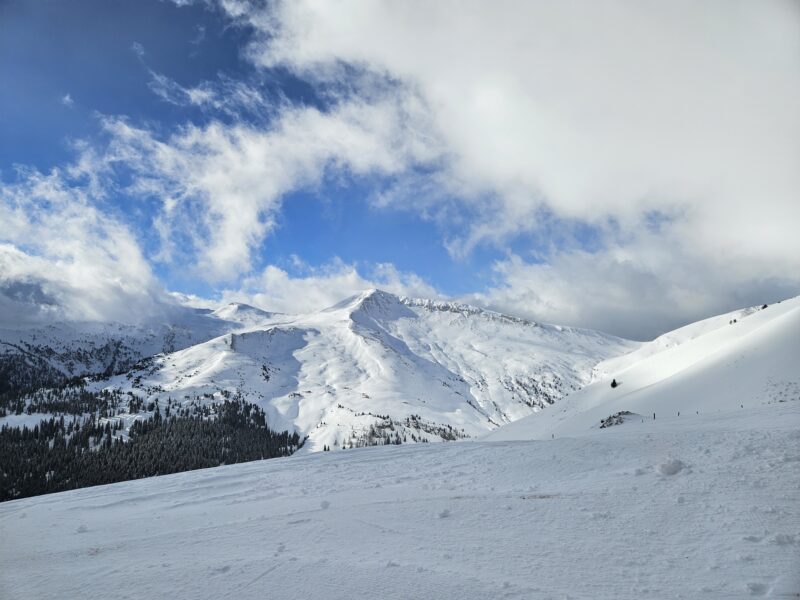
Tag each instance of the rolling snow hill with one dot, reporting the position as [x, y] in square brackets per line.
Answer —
[734, 361]
[377, 368]
[676, 508]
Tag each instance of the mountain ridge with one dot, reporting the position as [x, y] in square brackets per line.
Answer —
[373, 368]
[728, 362]
[380, 368]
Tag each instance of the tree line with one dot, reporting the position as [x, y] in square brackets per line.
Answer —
[61, 454]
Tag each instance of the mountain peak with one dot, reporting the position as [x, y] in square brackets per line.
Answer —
[378, 295]
[366, 297]
[375, 295]
[240, 312]
[371, 304]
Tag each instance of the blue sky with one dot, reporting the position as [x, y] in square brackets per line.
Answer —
[597, 167]
[100, 54]
[84, 49]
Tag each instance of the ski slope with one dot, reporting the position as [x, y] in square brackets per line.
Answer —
[735, 361]
[674, 508]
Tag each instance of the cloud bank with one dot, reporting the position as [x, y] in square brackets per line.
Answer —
[634, 162]
[316, 288]
[63, 259]
[671, 130]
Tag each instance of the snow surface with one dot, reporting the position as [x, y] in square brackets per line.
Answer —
[417, 369]
[78, 348]
[705, 507]
[710, 366]
[705, 504]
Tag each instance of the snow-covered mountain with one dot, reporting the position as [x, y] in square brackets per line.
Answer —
[45, 355]
[244, 314]
[698, 505]
[733, 361]
[378, 368]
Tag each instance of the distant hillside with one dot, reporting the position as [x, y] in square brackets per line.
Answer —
[733, 361]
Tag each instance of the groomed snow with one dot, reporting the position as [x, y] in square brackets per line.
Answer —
[677, 508]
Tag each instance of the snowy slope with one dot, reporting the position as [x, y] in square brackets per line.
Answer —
[676, 508]
[734, 361]
[377, 367]
[77, 348]
[701, 505]
[244, 314]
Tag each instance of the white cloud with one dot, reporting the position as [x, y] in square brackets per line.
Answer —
[138, 49]
[593, 109]
[637, 290]
[668, 130]
[225, 95]
[316, 288]
[67, 100]
[61, 258]
[221, 185]
[602, 114]
[200, 36]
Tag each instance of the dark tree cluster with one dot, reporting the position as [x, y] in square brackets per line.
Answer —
[446, 432]
[378, 434]
[22, 374]
[59, 454]
[72, 398]
[385, 431]
[617, 418]
[26, 367]
[542, 390]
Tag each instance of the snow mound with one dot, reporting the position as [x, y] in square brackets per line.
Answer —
[671, 466]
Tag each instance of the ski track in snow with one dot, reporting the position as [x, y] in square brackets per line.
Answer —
[705, 506]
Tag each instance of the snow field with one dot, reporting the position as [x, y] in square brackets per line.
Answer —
[672, 508]
[753, 362]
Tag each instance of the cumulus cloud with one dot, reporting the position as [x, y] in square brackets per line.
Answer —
[221, 185]
[316, 288]
[647, 152]
[592, 108]
[62, 258]
[607, 114]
